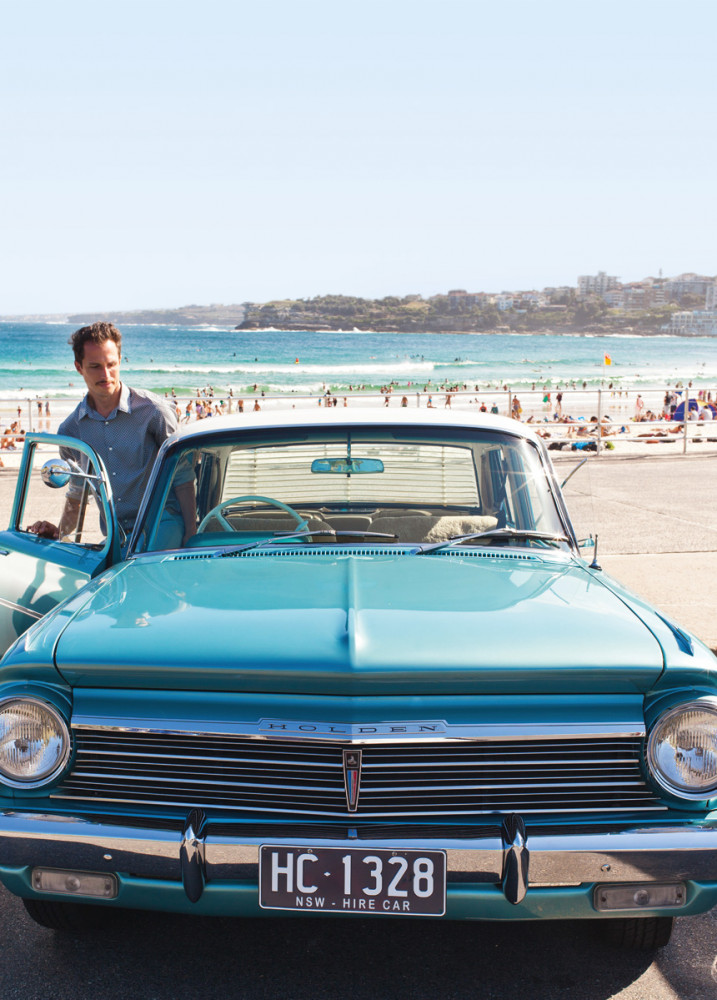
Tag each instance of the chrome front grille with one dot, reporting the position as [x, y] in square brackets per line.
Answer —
[305, 778]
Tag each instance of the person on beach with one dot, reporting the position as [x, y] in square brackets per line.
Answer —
[126, 427]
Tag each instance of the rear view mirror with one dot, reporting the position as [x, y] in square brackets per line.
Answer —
[347, 466]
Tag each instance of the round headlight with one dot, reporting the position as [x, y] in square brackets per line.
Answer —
[682, 750]
[34, 742]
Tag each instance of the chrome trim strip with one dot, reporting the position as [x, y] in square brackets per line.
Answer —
[409, 813]
[11, 606]
[632, 854]
[223, 781]
[358, 733]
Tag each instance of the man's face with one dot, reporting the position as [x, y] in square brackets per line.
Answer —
[100, 368]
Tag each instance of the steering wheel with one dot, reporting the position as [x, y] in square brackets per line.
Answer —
[216, 512]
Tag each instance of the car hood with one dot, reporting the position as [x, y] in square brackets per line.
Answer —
[358, 624]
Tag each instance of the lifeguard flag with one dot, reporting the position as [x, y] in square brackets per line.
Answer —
[608, 359]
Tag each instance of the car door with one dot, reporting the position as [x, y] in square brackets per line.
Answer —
[37, 573]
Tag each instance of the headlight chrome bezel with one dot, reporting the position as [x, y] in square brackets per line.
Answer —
[59, 764]
[707, 705]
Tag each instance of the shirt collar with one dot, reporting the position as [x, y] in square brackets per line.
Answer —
[85, 410]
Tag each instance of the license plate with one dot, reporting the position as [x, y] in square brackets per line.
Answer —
[352, 880]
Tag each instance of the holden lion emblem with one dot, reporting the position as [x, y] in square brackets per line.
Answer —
[352, 778]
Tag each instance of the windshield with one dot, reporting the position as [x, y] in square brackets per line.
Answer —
[399, 485]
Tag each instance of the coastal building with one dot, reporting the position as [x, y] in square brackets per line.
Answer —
[459, 298]
[711, 296]
[688, 284]
[646, 294]
[598, 284]
[694, 323]
[534, 300]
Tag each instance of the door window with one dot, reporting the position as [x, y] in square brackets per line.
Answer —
[62, 492]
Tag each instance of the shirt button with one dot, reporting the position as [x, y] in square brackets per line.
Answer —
[106, 422]
[110, 449]
[114, 473]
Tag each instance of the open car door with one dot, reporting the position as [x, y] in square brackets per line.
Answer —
[63, 481]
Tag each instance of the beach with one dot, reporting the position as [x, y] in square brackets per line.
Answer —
[583, 378]
[566, 424]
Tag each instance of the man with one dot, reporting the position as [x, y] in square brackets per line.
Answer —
[126, 427]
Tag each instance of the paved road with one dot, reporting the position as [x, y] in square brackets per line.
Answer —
[656, 519]
[157, 957]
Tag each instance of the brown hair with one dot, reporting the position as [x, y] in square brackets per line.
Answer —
[97, 333]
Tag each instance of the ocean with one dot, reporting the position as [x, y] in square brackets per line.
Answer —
[36, 360]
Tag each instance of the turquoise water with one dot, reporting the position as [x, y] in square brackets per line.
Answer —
[35, 359]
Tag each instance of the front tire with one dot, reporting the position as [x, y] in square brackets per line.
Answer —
[639, 933]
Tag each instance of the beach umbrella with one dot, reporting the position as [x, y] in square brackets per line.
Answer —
[679, 413]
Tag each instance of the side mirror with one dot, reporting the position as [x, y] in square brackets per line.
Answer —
[55, 473]
[586, 543]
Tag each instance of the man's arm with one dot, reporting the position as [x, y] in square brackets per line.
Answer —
[187, 500]
[68, 521]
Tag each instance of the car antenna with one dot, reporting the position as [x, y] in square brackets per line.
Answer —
[595, 564]
[572, 472]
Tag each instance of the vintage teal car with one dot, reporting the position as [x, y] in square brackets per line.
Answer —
[379, 679]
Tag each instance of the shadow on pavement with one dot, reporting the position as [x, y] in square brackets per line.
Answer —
[163, 956]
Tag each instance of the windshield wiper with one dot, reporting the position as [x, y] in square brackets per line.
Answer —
[236, 550]
[499, 533]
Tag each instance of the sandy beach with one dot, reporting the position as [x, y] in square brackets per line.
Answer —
[580, 410]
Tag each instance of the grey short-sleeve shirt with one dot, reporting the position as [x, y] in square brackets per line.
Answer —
[127, 441]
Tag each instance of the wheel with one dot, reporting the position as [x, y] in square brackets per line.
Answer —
[216, 512]
[639, 933]
[67, 917]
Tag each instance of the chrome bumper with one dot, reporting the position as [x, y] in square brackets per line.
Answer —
[502, 855]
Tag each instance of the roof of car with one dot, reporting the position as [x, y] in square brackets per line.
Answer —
[354, 417]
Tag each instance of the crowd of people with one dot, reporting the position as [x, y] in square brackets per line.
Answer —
[548, 408]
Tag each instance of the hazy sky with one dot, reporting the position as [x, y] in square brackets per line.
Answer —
[163, 153]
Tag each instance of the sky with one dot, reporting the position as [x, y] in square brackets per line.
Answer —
[157, 154]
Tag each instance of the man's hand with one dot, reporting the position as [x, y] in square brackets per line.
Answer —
[45, 529]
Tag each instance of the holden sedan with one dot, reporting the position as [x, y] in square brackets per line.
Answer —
[378, 679]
